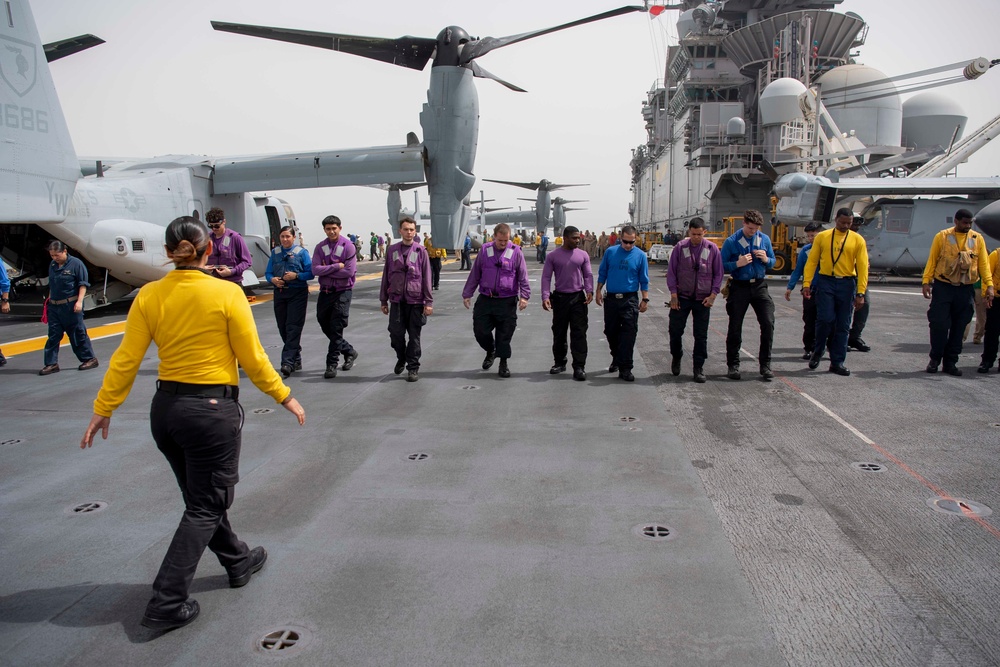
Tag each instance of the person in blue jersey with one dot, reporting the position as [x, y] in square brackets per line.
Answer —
[289, 269]
[625, 272]
[747, 255]
[808, 303]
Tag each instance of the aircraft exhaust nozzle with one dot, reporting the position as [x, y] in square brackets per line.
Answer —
[988, 221]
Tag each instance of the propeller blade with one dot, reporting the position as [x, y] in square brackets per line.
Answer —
[562, 201]
[556, 186]
[502, 208]
[574, 209]
[67, 47]
[483, 74]
[483, 46]
[407, 51]
[529, 186]
[525, 199]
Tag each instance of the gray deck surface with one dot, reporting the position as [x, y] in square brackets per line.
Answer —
[515, 542]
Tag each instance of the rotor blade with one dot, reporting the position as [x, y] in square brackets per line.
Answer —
[67, 47]
[556, 186]
[525, 199]
[407, 51]
[487, 44]
[574, 209]
[483, 74]
[530, 186]
[502, 208]
[571, 201]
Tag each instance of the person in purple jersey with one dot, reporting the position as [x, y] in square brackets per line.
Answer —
[230, 256]
[501, 278]
[694, 279]
[406, 297]
[573, 292]
[335, 263]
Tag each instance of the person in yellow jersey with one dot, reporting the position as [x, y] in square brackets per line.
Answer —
[436, 255]
[838, 287]
[958, 259]
[991, 333]
[202, 328]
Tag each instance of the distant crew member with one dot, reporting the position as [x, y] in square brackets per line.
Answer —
[68, 283]
[573, 292]
[500, 275]
[839, 286]
[957, 260]
[381, 247]
[543, 247]
[981, 310]
[991, 333]
[694, 280]
[202, 329]
[860, 316]
[808, 304]
[747, 255]
[625, 271]
[406, 297]
[289, 269]
[602, 244]
[4, 300]
[230, 255]
[466, 253]
[435, 255]
[373, 247]
[335, 263]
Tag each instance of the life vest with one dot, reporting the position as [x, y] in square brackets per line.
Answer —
[958, 266]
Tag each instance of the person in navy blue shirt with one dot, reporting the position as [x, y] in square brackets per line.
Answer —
[68, 283]
[747, 255]
[808, 303]
[625, 271]
[289, 269]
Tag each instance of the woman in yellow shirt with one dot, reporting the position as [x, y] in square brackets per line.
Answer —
[202, 327]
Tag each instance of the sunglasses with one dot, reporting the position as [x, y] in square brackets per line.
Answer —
[215, 225]
[624, 242]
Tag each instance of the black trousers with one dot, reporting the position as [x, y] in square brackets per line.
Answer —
[950, 312]
[332, 311]
[435, 271]
[290, 314]
[808, 323]
[860, 319]
[405, 322]
[200, 438]
[677, 321]
[499, 315]
[466, 259]
[743, 295]
[569, 311]
[991, 336]
[621, 325]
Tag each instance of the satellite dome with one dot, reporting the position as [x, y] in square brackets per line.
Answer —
[876, 122]
[930, 119]
[779, 103]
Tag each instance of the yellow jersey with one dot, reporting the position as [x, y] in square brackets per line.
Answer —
[961, 242]
[838, 254]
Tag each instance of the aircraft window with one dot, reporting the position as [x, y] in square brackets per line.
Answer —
[898, 220]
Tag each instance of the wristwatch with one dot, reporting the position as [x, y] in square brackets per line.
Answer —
[645, 300]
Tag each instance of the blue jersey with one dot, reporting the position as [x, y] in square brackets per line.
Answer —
[624, 270]
[294, 259]
[800, 266]
[738, 244]
[65, 282]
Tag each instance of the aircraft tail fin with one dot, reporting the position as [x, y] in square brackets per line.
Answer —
[38, 166]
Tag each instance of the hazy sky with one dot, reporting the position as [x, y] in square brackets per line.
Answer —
[167, 83]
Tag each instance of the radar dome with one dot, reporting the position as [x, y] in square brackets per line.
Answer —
[779, 103]
[930, 119]
[876, 122]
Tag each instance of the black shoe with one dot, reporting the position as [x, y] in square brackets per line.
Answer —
[699, 376]
[626, 375]
[187, 612]
[613, 368]
[504, 371]
[734, 373]
[952, 370]
[558, 368]
[766, 373]
[983, 368]
[579, 374]
[412, 376]
[808, 354]
[49, 370]
[932, 367]
[3, 359]
[839, 369]
[297, 366]
[349, 359]
[398, 368]
[331, 372]
[675, 366]
[859, 345]
[814, 360]
[88, 364]
[258, 556]
[286, 370]
[488, 361]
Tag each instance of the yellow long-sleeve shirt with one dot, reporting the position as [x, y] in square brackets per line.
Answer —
[994, 261]
[961, 240]
[852, 262]
[201, 326]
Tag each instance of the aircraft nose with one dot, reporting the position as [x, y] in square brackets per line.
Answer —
[988, 220]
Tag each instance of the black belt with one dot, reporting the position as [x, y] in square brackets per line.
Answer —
[752, 281]
[59, 302]
[210, 390]
[837, 277]
[490, 296]
[622, 295]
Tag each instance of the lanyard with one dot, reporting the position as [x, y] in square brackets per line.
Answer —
[836, 259]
